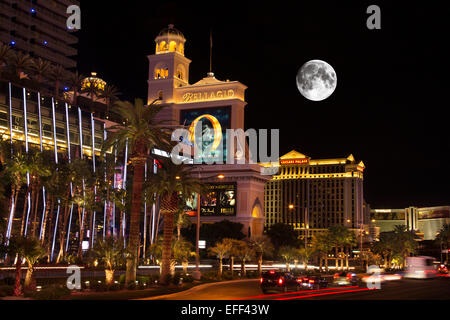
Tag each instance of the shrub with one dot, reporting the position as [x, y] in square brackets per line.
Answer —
[142, 279]
[9, 281]
[114, 287]
[98, 287]
[177, 277]
[6, 291]
[122, 279]
[50, 293]
[210, 275]
[187, 278]
[131, 286]
[169, 279]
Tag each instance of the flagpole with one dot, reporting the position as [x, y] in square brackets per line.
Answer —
[210, 50]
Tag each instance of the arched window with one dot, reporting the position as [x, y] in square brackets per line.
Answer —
[163, 46]
[172, 46]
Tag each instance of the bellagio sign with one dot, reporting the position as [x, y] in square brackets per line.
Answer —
[208, 95]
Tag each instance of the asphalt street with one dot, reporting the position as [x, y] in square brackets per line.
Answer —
[405, 289]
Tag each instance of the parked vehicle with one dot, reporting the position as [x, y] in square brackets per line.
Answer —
[280, 281]
[420, 267]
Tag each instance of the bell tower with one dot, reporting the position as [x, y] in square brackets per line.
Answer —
[168, 67]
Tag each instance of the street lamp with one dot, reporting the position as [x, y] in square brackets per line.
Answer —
[196, 274]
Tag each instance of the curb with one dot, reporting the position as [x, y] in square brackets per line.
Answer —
[196, 288]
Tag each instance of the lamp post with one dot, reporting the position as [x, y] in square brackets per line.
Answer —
[196, 274]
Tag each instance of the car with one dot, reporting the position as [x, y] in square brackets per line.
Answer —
[345, 279]
[279, 281]
[314, 282]
[443, 269]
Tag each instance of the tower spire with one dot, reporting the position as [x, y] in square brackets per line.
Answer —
[210, 73]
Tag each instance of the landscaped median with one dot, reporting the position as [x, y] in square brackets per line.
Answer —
[94, 288]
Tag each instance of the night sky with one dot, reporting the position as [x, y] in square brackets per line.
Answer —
[388, 110]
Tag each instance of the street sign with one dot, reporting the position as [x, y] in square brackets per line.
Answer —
[201, 244]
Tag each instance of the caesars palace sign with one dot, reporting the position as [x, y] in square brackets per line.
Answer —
[208, 95]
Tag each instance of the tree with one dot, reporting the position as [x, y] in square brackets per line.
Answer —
[216, 232]
[21, 63]
[244, 252]
[74, 81]
[111, 253]
[282, 234]
[221, 250]
[110, 93]
[385, 247]
[404, 243]
[168, 183]
[91, 88]
[338, 235]
[288, 255]
[141, 132]
[444, 237]
[57, 74]
[305, 255]
[182, 251]
[182, 221]
[41, 69]
[322, 244]
[32, 251]
[5, 56]
[261, 246]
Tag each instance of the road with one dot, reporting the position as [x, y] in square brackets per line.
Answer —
[406, 289]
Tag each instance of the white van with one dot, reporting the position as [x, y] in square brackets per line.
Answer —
[420, 267]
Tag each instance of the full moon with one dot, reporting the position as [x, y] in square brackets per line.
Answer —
[316, 80]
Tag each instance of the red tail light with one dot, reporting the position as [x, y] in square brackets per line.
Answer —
[272, 272]
[261, 280]
[280, 281]
[311, 281]
[336, 275]
[349, 276]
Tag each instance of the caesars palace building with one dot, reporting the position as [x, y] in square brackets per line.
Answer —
[309, 194]
[314, 194]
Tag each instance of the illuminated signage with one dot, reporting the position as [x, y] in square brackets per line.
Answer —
[294, 161]
[219, 201]
[208, 95]
[216, 127]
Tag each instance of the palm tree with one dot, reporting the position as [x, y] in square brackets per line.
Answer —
[261, 245]
[305, 254]
[338, 234]
[110, 93]
[444, 237]
[21, 63]
[182, 251]
[32, 251]
[92, 90]
[16, 168]
[57, 74]
[168, 183]
[182, 221]
[41, 69]
[404, 243]
[142, 133]
[109, 251]
[322, 244]
[5, 55]
[233, 251]
[74, 80]
[288, 254]
[220, 250]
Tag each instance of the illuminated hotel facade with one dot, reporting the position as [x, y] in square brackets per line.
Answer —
[44, 123]
[239, 195]
[314, 194]
[426, 221]
[39, 29]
